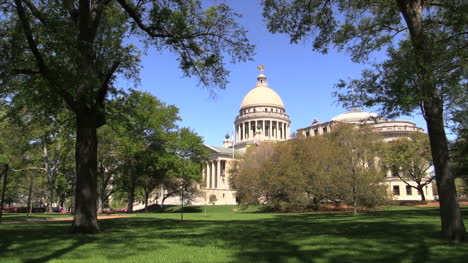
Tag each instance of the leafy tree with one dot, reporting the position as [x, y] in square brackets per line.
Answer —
[145, 128]
[17, 150]
[78, 49]
[213, 199]
[459, 147]
[249, 175]
[108, 165]
[190, 155]
[424, 71]
[410, 158]
[459, 155]
[304, 172]
[359, 180]
[314, 157]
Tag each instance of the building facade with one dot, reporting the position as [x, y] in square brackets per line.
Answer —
[262, 118]
[390, 130]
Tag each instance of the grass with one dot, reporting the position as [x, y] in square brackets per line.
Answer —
[23, 217]
[391, 235]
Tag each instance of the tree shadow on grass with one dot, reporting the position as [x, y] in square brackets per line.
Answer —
[384, 236]
[57, 253]
[171, 209]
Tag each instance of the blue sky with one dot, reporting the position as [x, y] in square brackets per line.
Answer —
[304, 79]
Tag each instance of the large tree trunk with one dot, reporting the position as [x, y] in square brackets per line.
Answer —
[451, 218]
[51, 198]
[421, 192]
[31, 184]
[450, 214]
[5, 173]
[85, 216]
[131, 198]
[147, 193]
[99, 205]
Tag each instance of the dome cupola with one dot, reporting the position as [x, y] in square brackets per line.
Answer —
[262, 116]
[262, 95]
[355, 116]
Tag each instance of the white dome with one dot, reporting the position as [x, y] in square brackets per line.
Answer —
[262, 95]
[355, 116]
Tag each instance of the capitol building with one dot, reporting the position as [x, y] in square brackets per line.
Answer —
[263, 118]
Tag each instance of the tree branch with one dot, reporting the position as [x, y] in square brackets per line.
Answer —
[31, 42]
[29, 168]
[131, 11]
[68, 5]
[43, 69]
[102, 92]
[26, 71]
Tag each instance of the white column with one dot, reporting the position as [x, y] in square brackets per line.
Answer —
[285, 131]
[251, 135]
[218, 176]
[280, 125]
[208, 174]
[242, 132]
[237, 133]
[213, 174]
[246, 130]
[204, 172]
[270, 128]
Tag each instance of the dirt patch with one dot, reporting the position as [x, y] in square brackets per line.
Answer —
[60, 219]
[436, 204]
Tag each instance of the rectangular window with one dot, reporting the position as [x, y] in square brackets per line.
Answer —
[325, 130]
[396, 190]
[316, 132]
[409, 190]
[307, 133]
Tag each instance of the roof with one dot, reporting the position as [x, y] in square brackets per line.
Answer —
[220, 149]
[262, 95]
[355, 116]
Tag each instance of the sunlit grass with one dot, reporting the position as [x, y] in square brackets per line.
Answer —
[228, 234]
[33, 216]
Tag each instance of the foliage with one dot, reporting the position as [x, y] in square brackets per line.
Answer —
[357, 175]
[38, 148]
[143, 130]
[392, 235]
[410, 158]
[424, 69]
[459, 155]
[304, 172]
[78, 48]
[186, 173]
[213, 199]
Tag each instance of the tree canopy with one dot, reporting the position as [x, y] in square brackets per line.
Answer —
[410, 159]
[424, 69]
[74, 50]
[305, 173]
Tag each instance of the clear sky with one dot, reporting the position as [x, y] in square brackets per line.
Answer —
[304, 80]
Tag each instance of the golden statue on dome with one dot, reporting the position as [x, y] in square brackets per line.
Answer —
[261, 67]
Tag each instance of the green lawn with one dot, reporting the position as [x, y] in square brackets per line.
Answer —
[35, 216]
[391, 235]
